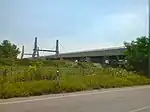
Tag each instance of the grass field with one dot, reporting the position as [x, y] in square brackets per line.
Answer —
[21, 81]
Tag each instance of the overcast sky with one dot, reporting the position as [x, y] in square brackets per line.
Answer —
[78, 24]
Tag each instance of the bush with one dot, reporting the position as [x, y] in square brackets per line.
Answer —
[137, 54]
[7, 61]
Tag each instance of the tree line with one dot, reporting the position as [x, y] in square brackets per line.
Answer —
[136, 54]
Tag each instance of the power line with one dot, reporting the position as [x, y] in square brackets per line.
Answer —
[63, 47]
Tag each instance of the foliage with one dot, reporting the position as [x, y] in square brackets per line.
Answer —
[8, 50]
[70, 84]
[21, 81]
[137, 54]
[36, 77]
[8, 53]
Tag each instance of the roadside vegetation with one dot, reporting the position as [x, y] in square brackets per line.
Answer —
[21, 78]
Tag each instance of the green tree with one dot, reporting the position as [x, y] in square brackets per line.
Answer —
[8, 52]
[137, 54]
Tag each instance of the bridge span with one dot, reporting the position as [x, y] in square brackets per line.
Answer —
[96, 56]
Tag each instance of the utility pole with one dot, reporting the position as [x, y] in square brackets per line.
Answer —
[149, 38]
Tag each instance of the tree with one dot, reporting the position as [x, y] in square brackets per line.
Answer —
[8, 51]
[137, 54]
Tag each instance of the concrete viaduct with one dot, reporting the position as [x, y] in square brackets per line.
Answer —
[95, 56]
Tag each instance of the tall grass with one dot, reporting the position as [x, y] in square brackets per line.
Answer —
[21, 81]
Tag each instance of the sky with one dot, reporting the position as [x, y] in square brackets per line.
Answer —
[78, 24]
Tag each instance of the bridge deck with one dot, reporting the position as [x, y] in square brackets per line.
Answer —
[93, 53]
